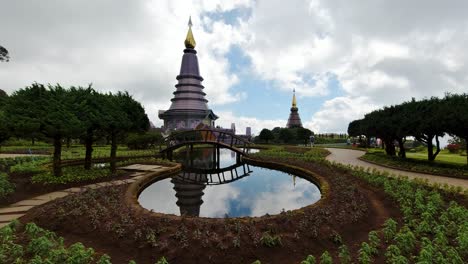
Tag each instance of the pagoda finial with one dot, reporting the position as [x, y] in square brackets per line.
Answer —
[189, 40]
[294, 104]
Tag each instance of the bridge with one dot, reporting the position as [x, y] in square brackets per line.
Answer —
[214, 176]
[220, 139]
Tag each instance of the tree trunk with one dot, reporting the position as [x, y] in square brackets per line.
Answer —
[89, 150]
[57, 165]
[466, 148]
[402, 152]
[33, 141]
[390, 148]
[434, 155]
[113, 153]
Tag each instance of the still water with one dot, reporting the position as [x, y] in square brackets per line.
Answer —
[218, 186]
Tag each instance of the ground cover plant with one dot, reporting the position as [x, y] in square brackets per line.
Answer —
[429, 227]
[438, 168]
[32, 244]
[29, 176]
[103, 219]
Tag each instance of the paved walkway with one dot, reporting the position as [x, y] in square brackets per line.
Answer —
[350, 157]
[18, 209]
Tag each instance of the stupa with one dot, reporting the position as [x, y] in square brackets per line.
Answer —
[294, 119]
[189, 108]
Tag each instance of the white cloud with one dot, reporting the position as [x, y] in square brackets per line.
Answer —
[386, 51]
[335, 114]
[135, 46]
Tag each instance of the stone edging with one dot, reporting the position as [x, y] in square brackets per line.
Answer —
[134, 190]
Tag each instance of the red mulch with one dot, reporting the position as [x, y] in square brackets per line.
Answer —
[25, 189]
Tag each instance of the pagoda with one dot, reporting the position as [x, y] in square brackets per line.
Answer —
[294, 119]
[189, 108]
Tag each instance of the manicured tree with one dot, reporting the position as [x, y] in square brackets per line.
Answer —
[429, 124]
[378, 123]
[122, 115]
[266, 135]
[286, 135]
[455, 114]
[50, 110]
[354, 128]
[303, 134]
[4, 56]
[88, 105]
[4, 131]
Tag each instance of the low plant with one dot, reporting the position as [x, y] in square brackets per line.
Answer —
[72, 174]
[270, 240]
[325, 258]
[344, 255]
[309, 260]
[6, 187]
[45, 247]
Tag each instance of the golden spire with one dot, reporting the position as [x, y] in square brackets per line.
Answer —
[294, 104]
[189, 40]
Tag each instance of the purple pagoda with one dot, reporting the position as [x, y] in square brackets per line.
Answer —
[294, 119]
[189, 107]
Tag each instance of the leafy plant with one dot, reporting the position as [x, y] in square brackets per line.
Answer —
[325, 258]
[270, 240]
[344, 255]
[6, 187]
[309, 260]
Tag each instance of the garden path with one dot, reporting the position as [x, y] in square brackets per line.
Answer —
[351, 157]
[18, 209]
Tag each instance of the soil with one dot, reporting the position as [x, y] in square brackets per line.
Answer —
[25, 189]
[101, 219]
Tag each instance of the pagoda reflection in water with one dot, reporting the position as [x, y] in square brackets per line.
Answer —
[198, 172]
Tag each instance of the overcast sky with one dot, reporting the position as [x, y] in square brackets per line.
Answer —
[344, 58]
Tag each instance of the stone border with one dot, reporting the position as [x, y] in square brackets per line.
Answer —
[134, 190]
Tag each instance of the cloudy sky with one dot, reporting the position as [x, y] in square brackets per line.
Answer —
[344, 58]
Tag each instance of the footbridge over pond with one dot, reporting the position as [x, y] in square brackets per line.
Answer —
[217, 138]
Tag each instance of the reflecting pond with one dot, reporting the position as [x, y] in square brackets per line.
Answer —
[217, 185]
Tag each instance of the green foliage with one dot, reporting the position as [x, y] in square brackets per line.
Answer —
[105, 259]
[325, 258]
[390, 229]
[286, 135]
[405, 240]
[374, 242]
[162, 261]
[344, 255]
[433, 228]
[417, 165]
[309, 260]
[426, 120]
[33, 166]
[266, 135]
[270, 240]
[72, 174]
[144, 141]
[365, 254]
[6, 187]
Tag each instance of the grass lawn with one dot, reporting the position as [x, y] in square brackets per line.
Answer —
[446, 163]
[443, 157]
